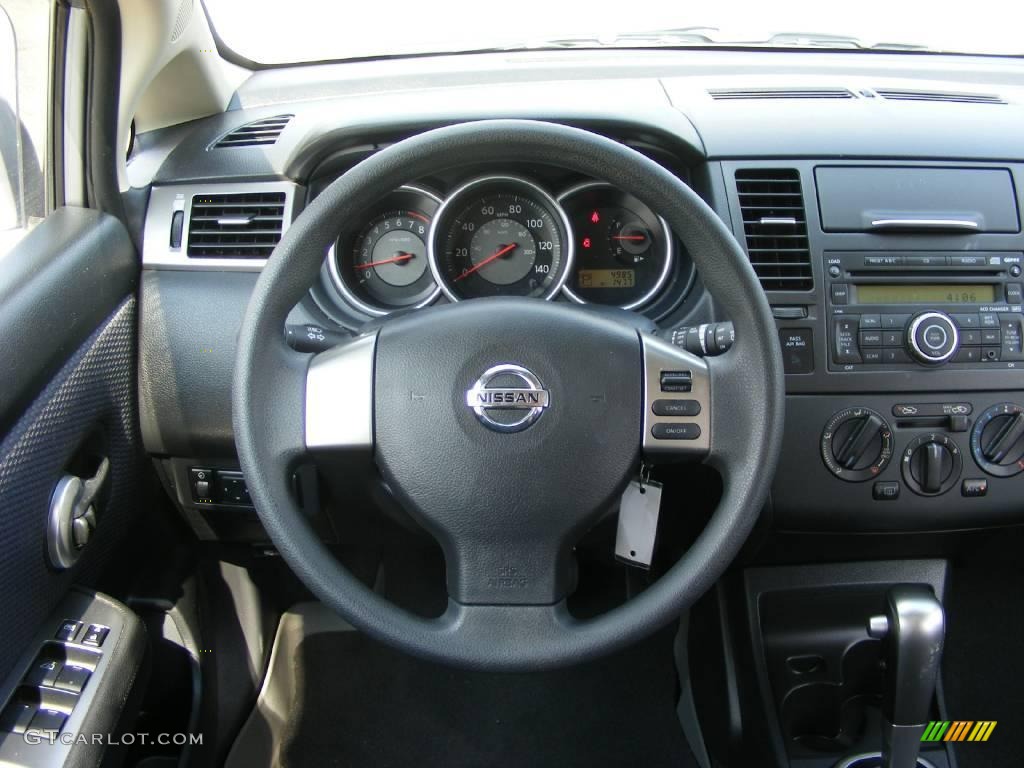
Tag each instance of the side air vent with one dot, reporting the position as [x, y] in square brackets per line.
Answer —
[957, 98]
[775, 227]
[236, 226]
[722, 94]
[257, 134]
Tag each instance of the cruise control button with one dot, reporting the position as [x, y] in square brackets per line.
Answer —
[675, 407]
[676, 381]
[663, 431]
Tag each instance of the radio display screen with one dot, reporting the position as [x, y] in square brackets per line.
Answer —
[606, 278]
[926, 294]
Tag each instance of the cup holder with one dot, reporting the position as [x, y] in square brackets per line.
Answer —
[874, 760]
[829, 715]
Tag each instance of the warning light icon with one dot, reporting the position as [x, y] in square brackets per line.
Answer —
[595, 217]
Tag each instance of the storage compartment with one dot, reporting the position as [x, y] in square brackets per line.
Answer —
[934, 200]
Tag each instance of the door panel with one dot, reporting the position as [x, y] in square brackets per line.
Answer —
[68, 314]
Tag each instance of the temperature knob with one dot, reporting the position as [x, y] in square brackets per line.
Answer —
[856, 444]
[997, 441]
[931, 464]
[932, 338]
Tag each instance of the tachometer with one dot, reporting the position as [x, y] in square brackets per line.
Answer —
[500, 236]
[624, 249]
[383, 266]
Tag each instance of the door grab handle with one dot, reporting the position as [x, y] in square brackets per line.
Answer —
[72, 516]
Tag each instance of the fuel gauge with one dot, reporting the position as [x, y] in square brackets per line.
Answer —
[623, 249]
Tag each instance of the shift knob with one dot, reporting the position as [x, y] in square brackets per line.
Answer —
[913, 629]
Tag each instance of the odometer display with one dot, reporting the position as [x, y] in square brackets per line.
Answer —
[500, 236]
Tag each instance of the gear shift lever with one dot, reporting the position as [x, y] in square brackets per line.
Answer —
[913, 628]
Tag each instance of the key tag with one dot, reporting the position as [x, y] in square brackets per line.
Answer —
[638, 521]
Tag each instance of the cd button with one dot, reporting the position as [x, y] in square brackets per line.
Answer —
[967, 321]
[892, 338]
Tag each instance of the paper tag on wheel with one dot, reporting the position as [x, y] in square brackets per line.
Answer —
[638, 523]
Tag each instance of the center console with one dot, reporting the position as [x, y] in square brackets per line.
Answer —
[903, 348]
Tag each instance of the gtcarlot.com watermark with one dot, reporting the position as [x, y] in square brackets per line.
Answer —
[109, 739]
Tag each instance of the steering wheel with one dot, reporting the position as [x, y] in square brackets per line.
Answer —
[505, 506]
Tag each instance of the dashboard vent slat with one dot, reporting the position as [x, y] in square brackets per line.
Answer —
[956, 98]
[775, 227]
[259, 133]
[245, 225]
[726, 94]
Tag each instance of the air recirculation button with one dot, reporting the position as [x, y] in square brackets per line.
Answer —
[856, 444]
[997, 441]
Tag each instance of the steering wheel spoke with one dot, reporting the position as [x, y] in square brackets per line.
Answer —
[339, 397]
[677, 403]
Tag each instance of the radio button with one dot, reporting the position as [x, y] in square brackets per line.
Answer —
[871, 338]
[883, 261]
[845, 349]
[872, 356]
[968, 354]
[1012, 333]
[892, 338]
[895, 356]
[895, 321]
[840, 293]
[926, 261]
[967, 321]
[990, 336]
[932, 338]
[968, 261]
[1013, 293]
[989, 320]
[970, 338]
[870, 322]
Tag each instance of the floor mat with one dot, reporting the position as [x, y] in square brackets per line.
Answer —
[983, 668]
[359, 703]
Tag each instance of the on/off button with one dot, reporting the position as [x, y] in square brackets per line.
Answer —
[932, 337]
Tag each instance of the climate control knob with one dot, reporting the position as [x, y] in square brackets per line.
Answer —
[856, 444]
[997, 441]
[931, 464]
[932, 338]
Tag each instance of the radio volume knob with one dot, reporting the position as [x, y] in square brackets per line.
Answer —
[932, 338]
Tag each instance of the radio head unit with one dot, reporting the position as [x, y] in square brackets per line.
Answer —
[905, 310]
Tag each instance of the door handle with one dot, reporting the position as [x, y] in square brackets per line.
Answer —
[72, 516]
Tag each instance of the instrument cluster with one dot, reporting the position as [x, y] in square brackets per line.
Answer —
[504, 235]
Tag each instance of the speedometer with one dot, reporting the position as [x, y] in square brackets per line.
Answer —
[500, 236]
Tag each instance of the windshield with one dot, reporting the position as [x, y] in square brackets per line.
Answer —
[274, 32]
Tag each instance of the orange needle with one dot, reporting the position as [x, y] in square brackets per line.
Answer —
[402, 256]
[488, 260]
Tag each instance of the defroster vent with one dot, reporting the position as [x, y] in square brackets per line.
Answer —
[775, 227]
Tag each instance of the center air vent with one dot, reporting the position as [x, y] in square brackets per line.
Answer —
[236, 226]
[720, 94]
[775, 227]
[957, 98]
[260, 133]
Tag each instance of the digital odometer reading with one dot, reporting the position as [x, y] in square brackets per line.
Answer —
[500, 237]
[606, 278]
[926, 294]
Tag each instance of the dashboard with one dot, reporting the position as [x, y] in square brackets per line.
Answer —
[877, 196]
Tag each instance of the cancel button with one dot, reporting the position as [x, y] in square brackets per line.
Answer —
[675, 408]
